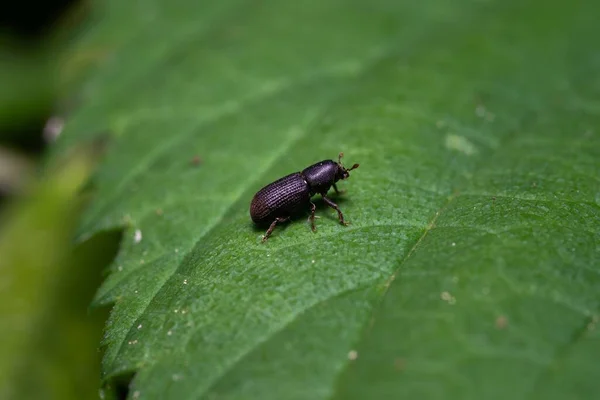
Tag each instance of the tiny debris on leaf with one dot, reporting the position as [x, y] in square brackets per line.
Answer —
[53, 128]
[196, 160]
[399, 364]
[593, 322]
[137, 236]
[448, 298]
[501, 322]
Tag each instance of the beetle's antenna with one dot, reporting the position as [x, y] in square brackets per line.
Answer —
[340, 163]
[353, 167]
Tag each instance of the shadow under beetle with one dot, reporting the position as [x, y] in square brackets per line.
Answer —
[278, 201]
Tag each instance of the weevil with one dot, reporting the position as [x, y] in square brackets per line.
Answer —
[280, 200]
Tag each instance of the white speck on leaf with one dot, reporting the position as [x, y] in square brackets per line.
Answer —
[140, 326]
[120, 268]
[169, 333]
[177, 377]
[136, 394]
[460, 143]
[453, 244]
[185, 281]
[137, 236]
[352, 355]
[448, 298]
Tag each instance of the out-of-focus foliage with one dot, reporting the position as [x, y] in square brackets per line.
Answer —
[28, 83]
[48, 338]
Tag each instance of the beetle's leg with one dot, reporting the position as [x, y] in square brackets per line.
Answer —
[338, 192]
[336, 208]
[311, 219]
[273, 224]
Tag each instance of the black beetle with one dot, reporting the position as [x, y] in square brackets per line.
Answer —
[279, 200]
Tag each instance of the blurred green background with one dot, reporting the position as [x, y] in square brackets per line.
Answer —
[49, 338]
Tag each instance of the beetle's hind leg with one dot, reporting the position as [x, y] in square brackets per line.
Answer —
[336, 208]
[272, 226]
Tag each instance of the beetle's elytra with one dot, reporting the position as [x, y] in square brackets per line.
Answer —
[278, 201]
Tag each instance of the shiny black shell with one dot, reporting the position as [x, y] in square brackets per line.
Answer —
[281, 198]
[321, 176]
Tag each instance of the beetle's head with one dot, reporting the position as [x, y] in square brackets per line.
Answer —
[343, 172]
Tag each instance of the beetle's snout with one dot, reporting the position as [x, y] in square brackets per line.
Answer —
[341, 173]
[344, 173]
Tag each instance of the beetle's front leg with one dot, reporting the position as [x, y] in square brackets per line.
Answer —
[338, 192]
[336, 208]
[311, 219]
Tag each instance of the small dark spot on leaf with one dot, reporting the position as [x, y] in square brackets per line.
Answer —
[399, 364]
[501, 322]
[196, 160]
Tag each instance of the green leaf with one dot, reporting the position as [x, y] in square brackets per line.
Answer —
[470, 268]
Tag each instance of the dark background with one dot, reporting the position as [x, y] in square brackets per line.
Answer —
[27, 26]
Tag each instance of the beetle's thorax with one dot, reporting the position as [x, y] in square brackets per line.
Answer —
[321, 176]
